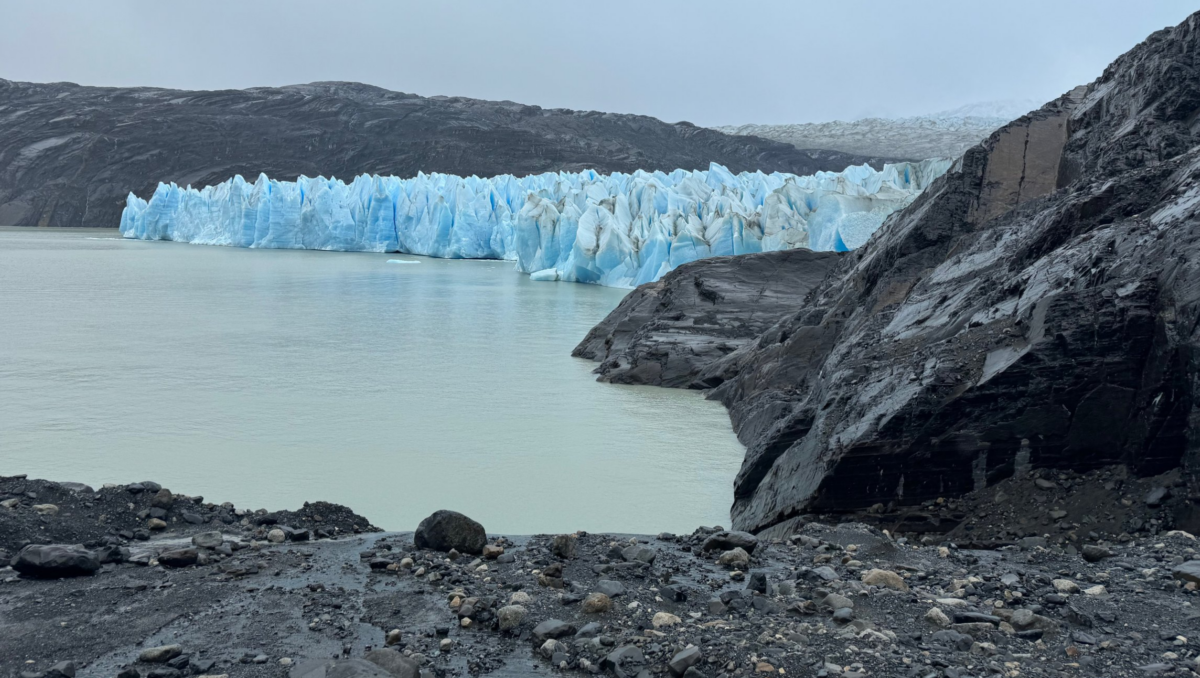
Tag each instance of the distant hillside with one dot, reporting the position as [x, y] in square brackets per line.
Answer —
[940, 135]
[70, 154]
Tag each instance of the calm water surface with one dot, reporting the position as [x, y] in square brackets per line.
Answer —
[268, 378]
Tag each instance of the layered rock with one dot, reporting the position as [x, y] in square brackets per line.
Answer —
[1035, 306]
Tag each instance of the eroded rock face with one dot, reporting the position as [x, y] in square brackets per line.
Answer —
[1036, 307]
[666, 332]
[69, 154]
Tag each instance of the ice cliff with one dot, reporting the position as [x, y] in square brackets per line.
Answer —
[619, 230]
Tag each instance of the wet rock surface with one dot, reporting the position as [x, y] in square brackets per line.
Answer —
[666, 332]
[1035, 308]
[829, 600]
[70, 154]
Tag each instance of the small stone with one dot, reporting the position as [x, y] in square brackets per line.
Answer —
[552, 628]
[1065, 586]
[684, 660]
[764, 667]
[884, 578]
[45, 509]
[938, 618]
[596, 603]
[278, 536]
[1044, 484]
[178, 558]
[510, 616]
[736, 558]
[160, 654]
[1094, 554]
[843, 615]
[1058, 515]
[639, 554]
[836, 601]
[1097, 590]
[207, 540]
[492, 552]
[156, 524]
[393, 638]
[664, 619]
[564, 545]
[612, 589]
[445, 644]
[162, 499]
[1157, 496]
[520, 598]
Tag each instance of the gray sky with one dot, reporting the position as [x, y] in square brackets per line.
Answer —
[709, 62]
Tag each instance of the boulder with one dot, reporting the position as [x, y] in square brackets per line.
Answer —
[684, 660]
[160, 654]
[552, 628]
[510, 616]
[53, 561]
[727, 541]
[178, 557]
[207, 540]
[338, 668]
[445, 530]
[884, 578]
[394, 663]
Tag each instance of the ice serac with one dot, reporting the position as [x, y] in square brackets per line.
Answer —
[618, 230]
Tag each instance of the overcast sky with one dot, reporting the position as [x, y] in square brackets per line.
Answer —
[709, 62]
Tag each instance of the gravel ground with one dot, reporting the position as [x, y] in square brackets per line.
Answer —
[828, 600]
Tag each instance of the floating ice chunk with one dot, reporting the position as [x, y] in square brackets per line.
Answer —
[619, 230]
[403, 261]
[545, 275]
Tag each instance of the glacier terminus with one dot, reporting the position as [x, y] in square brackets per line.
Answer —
[618, 230]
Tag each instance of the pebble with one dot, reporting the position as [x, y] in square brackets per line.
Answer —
[276, 536]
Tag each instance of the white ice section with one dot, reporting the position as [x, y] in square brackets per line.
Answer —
[619, 230]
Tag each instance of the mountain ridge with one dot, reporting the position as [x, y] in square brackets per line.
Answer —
[69, 154]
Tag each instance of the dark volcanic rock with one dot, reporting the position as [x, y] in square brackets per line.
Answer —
[665, 333]
[446, 530]
[69, 154]
[55, 560]
[1036, 307]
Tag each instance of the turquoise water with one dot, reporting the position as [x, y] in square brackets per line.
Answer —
[272, 377]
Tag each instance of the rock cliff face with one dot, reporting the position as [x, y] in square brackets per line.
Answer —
[69, 154]
[1037, 306]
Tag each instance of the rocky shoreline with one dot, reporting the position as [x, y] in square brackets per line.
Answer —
[146, 583]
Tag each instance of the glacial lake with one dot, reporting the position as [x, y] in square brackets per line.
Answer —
[270, 377]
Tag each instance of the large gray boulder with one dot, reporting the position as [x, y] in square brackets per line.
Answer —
[445, 530]
[54, 561]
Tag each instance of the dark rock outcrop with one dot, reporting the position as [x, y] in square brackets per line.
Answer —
[69, 154]
[1036, 307]
[664, 333]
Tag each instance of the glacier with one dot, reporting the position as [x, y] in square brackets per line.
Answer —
[618, 230]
